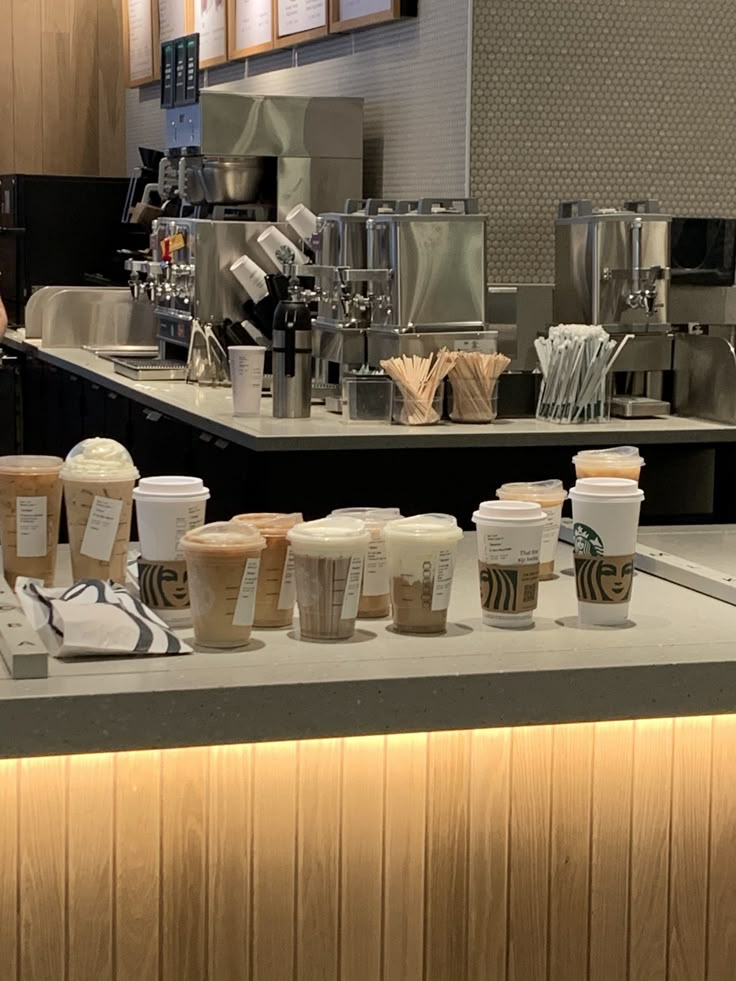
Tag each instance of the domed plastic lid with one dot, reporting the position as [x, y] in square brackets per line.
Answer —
[548, 490]
[371, 516]
[27, 464]
[592, 488]
[271, 523]
[227, 537]
[439, 527]
[331, 531]
[99, 457]
[516, 511]
[623, 455]
[163, 487]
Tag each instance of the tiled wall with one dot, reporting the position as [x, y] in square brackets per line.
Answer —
[413, 76]
[597, 98]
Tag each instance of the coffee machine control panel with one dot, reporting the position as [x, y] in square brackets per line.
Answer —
[184, 127]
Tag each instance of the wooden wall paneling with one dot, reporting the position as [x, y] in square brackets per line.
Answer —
[28, 107]
[111, 86]
[404, 857]
[650, 850]
[274, 860]
[318, 859]
[9, 858]
[83, 132]
[42, 886]
[572, 774]
[7, 152]
[57, 86]
[229, 863]
[361, 865]
[688, 886]
[184, 797]
[529, 840]
[721, 954]
[137, 865]
[446, 917]
[610, 851]
[488, 853]
[90, 868]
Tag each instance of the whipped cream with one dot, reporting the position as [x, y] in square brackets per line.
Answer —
[99, 457]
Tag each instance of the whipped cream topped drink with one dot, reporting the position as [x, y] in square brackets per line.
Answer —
[223, 561]
[276, 590]
[99, 476]
[30, 506]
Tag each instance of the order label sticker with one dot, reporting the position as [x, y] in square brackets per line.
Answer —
[375, 577]
[245, 608]
[444, 569]
[102, 528]
[286, 596]
[30, 527]
[354, 580]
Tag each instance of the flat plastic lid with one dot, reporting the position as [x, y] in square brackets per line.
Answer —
[616, 454]
[371, 516]
[517, 511]
[531, 491]
[27, 464]
[228, 537]
[592, 488]
[270, 522]
[334, 530]
[437, 526]
[153, 487]
[99, 457]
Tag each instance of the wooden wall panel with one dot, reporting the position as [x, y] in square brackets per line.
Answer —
[111, 90]
[7, 88]
[574, 852]
[28, 114]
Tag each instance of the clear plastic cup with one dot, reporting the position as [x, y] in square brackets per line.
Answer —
[375, 595]
[99, 477]
[329, 556]
[605, 516]
[276, 592]
[223, 561]
[550, 495]
[421, 561]
[509, 547]
[618, 461]
[30, 508]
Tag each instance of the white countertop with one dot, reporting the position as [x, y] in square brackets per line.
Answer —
[678, 657]
[211, 410]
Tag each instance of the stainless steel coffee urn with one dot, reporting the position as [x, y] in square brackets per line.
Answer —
[292, 358]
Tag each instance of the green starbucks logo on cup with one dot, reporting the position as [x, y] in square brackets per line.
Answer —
[587, 541]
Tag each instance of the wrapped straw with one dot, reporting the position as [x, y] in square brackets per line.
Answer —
[418, 379]
[473, 378]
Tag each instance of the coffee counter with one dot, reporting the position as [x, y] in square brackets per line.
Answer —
[679, 658]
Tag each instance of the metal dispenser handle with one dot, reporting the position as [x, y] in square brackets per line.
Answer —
[574, 209]
[426, 205]
[647, 206]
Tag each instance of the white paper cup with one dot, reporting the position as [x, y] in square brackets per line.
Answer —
[329, 557]
[421, 564]
[272, 239]
[166, 509]
[605, 515]
[509, 548]
[246, 374]
[550, 495]
[303, 221]
[251, 277]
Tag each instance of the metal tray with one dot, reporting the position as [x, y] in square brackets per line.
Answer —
[150, 369]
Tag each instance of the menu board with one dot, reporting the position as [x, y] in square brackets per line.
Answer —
[250, 27]
[210, 22]
[172, 19]
[300, 20]
[347, 15]
[139, 41]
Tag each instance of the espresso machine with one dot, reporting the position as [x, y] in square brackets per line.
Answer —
[612, 268]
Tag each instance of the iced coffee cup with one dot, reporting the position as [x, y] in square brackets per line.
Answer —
[605, 517]
[421, 563]
[329, 556]
[375, 596]
[30, 507]
[222, 562]
[619, 461]
[509, 548]
[166, 509]
[99, 477]
[550, 495]
[276, 593]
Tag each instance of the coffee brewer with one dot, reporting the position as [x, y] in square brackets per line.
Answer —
[612, 268]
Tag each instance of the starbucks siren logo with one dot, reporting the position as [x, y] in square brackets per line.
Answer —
[587, 541]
